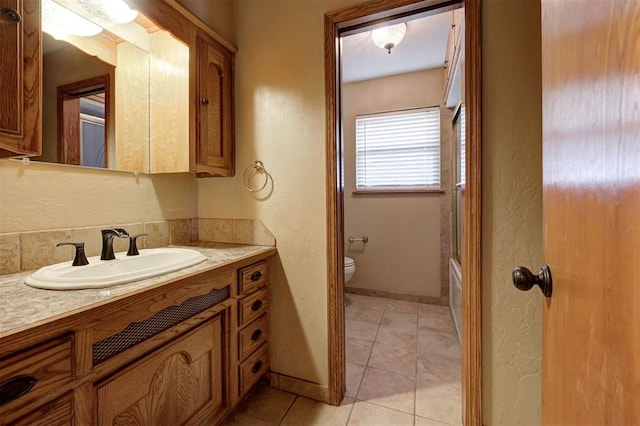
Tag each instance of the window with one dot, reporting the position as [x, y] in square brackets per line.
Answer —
[398, 150]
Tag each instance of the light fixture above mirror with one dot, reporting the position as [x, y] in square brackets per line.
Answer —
[111, 11]
[84, 18]
[388, 37]
[57, 20]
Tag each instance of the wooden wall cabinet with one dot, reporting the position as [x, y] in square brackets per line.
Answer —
[20, 78]
[210, 115]
[131, 361]
[214, 153]
[211, 87]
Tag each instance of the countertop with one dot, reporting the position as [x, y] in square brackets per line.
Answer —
[22, 306]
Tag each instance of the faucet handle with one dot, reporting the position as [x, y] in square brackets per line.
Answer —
[133, 248]
[80, 258]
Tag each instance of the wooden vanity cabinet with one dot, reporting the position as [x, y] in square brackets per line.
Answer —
[184, 352]
[20, 78]
[180, 383]
[253, 325]
[33, 376]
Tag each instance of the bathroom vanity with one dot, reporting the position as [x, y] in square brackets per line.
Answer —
[182, 348]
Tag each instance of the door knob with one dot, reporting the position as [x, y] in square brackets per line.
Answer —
[524, 279]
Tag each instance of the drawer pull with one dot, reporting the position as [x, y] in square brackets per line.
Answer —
[256, 276]
[256, 335]
[15, 387]
[257, 366]
[256, 305]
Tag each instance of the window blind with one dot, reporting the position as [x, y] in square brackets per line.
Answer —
[398, 150]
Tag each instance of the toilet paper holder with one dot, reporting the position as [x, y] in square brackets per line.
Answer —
[364, 239]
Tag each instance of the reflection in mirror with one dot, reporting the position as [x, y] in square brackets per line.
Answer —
[99, 54]
[82, 115]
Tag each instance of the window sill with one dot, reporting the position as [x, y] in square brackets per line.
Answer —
[398, 191]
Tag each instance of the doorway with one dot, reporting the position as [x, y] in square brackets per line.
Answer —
[350, 19]
[83, 109]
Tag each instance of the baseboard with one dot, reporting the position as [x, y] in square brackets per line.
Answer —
[300, 387]
[398, 296]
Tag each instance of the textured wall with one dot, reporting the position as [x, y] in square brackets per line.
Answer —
[43, 196]
[403, 253]
[512, 210]
[280, 115]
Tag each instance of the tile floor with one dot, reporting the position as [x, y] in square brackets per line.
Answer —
[403, 368]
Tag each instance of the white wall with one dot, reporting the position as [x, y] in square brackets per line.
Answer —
[404, 230]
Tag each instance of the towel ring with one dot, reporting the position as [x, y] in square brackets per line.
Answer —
[258, 167]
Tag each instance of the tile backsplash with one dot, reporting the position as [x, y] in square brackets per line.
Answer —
[24, 251]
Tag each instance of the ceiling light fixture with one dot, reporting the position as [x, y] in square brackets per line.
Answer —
[388, 37]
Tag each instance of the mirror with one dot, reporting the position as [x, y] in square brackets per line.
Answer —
[108, 73]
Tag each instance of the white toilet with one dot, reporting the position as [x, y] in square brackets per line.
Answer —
[349, 268]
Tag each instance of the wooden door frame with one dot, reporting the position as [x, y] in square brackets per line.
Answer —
[76, 90]
[366, 14]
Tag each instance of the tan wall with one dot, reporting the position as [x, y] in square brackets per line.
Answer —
[280, 117]
[42, 196]
[512, 211]
[403, 252]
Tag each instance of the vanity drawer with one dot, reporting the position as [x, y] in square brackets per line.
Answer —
[253, 277]
[253, 368]
[252, 306]
[35, 375]
[253, 336]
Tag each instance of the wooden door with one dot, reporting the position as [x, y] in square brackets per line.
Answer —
[591, 178]
[181, 383]
[20, 78]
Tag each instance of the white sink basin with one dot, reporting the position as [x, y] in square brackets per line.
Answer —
[107, 273]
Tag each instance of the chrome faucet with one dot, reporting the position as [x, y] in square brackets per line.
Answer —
[107, 241]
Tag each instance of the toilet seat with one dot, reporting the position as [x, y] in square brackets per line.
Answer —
[348, 261]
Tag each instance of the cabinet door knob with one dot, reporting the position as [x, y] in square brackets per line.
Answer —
[11, 15]
[256, 305]
[15, 387]
[257, 366]
[204, 101]
[524, 279]
[256, 276]
[256, 335]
